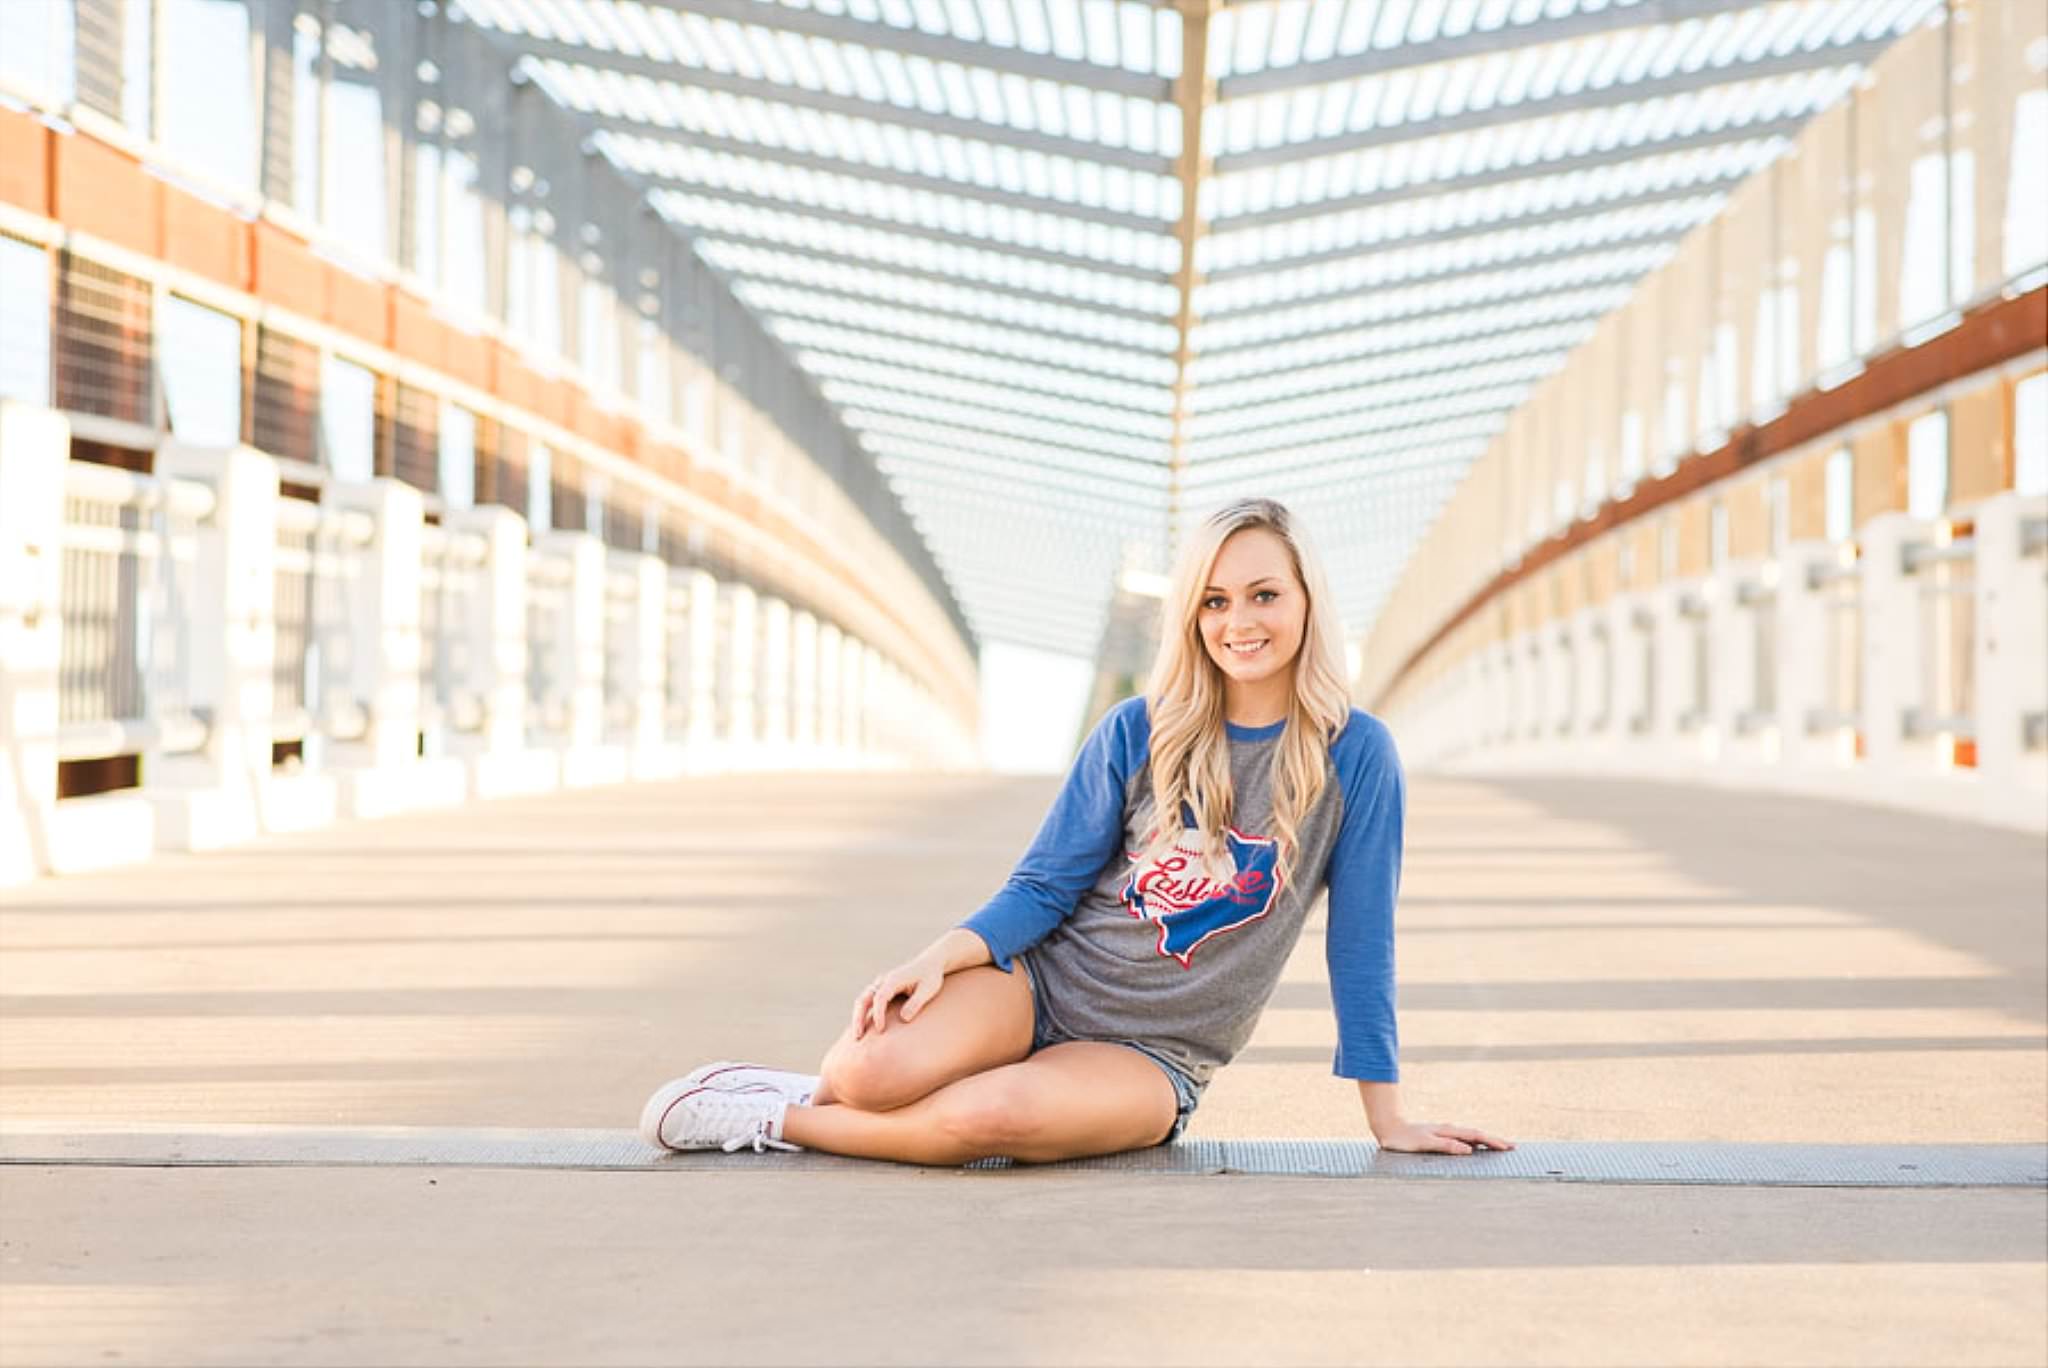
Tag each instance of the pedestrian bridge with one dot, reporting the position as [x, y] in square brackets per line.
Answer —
[508, 512]
[392, 1066]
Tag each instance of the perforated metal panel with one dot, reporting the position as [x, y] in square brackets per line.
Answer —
[103, 352]
[287, 396]
[1757, 1165]
[415, 451]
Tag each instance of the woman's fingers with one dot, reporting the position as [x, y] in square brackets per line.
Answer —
[1471, 1137]
[926, 990]
[878, 1010]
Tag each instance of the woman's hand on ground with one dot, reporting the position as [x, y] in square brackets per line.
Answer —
[918, 980]
[1428, 1137]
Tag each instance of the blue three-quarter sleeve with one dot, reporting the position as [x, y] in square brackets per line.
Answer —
[1082, 833]
[1364, 882]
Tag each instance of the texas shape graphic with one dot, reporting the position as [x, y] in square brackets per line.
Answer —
[1191, 904]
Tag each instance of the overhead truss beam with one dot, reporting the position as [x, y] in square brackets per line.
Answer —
[934, 46]
[1706, 185]
[1475, 43]
[850, 106]
[881, 175]
[1522, 111]
[930, 277]
[1597, 160]
[916, 230]
[1650, 237]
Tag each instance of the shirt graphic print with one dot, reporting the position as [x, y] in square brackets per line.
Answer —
[1190, 904]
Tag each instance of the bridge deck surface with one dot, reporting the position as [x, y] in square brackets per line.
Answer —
[1605, 967]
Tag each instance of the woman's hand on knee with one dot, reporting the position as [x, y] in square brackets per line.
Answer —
[918, 981]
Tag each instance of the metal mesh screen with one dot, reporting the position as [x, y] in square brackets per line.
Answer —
[287, 397]
[99, 669]
[99, 55]
[292, 603]
[103, 352]
[509, 482]
[567, 494]
[415, 452]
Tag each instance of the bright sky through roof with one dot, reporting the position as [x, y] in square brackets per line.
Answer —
[1031, 704]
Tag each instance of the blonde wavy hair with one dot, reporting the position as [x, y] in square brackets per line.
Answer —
[1190, 762]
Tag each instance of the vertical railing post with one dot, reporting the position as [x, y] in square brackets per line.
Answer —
[648, 753]
[803, 688]
[585, 760]
[1731, 660]
[1673, 671]
[773, 676]
[383, 664]
[498, 760]
[740, 740]
[34, 444]
[2011, 647]
[215, 796]
[831, 654]
[1802, 655]
[853, 707]
[1891, 639]
[706, 661]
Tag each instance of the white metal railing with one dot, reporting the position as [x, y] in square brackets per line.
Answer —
[129, 546]
[549, 605]
[451, 579]
[679, 660]
[1921, 647]
[274, 662]
[621, 647]
[316, 562]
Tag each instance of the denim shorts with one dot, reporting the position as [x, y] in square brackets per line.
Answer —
[1043, 1033]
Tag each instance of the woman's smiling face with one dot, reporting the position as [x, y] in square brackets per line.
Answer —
[1252, 615]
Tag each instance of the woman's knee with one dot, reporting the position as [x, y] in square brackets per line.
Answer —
[994, 1116]
[871, 1074]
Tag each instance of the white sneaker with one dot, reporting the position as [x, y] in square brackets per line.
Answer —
[687, 1115]
[796, 1088]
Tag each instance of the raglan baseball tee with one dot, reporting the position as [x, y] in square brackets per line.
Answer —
[1182, 960]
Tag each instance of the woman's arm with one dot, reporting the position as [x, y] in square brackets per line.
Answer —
[1082, 833]
[1365, 883]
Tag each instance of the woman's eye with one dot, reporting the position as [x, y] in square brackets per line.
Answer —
[1267, 595]
[1213, 601]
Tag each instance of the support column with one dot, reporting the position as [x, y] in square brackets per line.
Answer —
[773, 686]
[1674, 727]
[493, 628]
[34, 444]
[738, 724]
[706, 663]
[2011, 664]
[648, 754]
[579, 661]
[1802, 659]
[831, 680]
[853, 707]
[1891, 639]
[379, 772]
[215, 796]
[803, 688]
[1631, 628]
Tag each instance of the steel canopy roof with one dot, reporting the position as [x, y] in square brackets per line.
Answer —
[1068, 296]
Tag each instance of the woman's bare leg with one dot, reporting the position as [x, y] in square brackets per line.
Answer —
[1065, 1102]
[980, 1020]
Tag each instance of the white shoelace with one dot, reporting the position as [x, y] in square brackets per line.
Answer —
[760, 1142]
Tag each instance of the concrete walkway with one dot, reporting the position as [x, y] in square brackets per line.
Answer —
[1581, 961]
